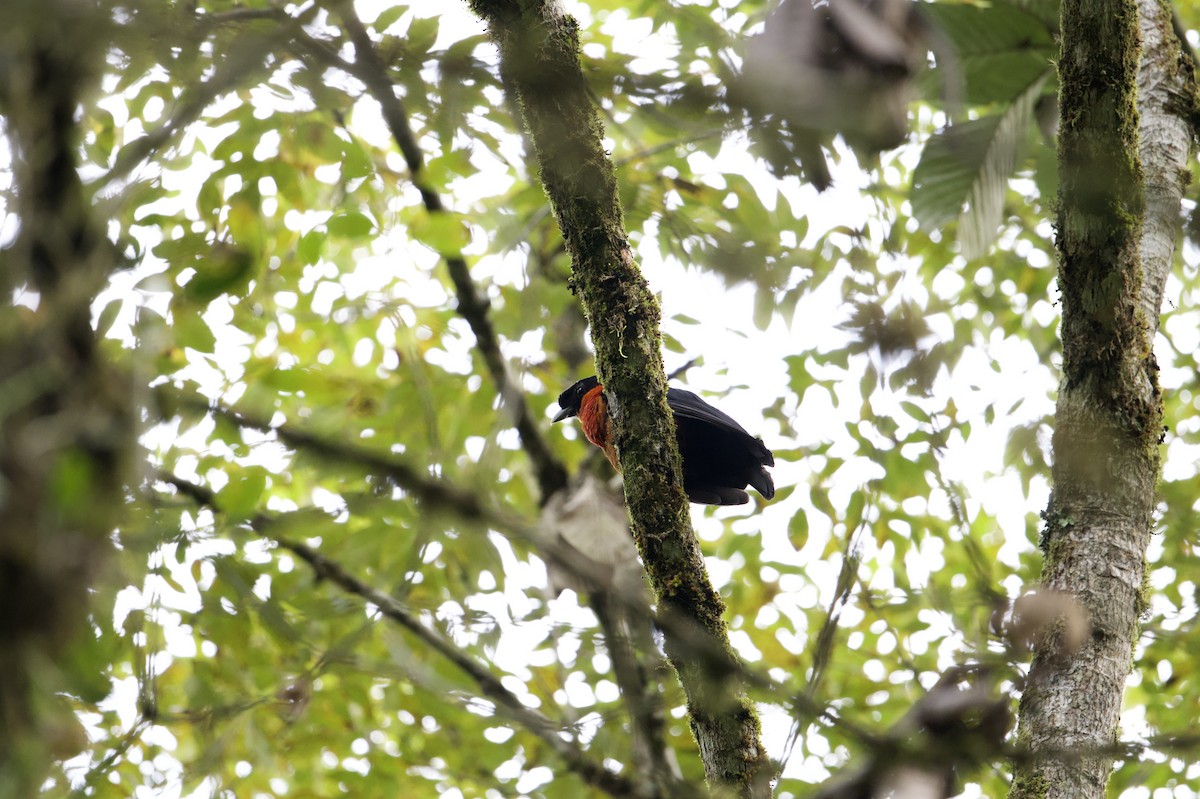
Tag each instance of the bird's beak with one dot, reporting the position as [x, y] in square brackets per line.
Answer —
[565, 413]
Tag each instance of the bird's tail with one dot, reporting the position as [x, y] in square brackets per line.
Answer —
[763, 483]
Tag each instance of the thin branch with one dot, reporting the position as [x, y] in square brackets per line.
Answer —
[851, 559]
[984, 582]
[100, 770]
[826, 638]
[692, 642]
[667, 146]
[592, 772]
[438, 494]
[681, 370]
[238, 16]
[1181, 742]
[247, 59]
[472, 305]
[647, 715]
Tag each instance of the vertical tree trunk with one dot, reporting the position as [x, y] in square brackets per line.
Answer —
[1115, 250]
[64, 420]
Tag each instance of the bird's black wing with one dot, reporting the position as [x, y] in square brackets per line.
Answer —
[686, 405]
[689, 406]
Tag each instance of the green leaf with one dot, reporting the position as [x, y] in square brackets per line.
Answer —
[103, 127]
[108, 316]
[854, 510]
[1000, 49]
[225, 269]
[914, 410]
[355, 162]
[422, 33]
[287, 380]
[240, 497]
[350, 225]
[976, 30]
[444, 232]
[310, 246]
[388, 17]
[970, 163]
[192, 331]
[440, 171]
[245, 221]
[1000, 77]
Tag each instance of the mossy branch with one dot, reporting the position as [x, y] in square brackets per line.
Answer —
[540, 64]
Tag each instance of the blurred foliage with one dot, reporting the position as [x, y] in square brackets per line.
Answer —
[282, 263]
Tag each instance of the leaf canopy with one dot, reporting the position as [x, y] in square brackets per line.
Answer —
[284, 265]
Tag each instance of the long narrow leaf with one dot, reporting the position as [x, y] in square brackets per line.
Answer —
[969, 164]
[980, 221]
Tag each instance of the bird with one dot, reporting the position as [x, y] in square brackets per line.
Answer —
[720, 459]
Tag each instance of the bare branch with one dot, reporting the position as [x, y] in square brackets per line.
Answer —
[472, 305]
[592, 772]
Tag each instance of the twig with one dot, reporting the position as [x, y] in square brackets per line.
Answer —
[592, 772]
[679, 371]
[238, 16]
[825, 640]
[472, 305]
[97, 771]
[690, 639]
[650, 152]
[242, 62]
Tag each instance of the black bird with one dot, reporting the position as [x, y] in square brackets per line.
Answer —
[719, 457]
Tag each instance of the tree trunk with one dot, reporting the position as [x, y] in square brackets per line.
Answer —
[64, 418]
[1119, 212]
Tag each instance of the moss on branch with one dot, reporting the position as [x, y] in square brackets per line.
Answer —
[540, 65]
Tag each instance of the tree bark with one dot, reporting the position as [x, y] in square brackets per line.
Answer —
[1119, 211]
[539, 57]
[1167, 106]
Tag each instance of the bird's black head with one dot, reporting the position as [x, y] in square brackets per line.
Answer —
[570, 399]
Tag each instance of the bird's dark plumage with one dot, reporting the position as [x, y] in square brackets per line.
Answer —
[572, 398]
[719, 457]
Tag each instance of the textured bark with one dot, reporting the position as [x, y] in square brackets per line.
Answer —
[1167, 105]
[539, 56]
[1119, 210]
[64, 420]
